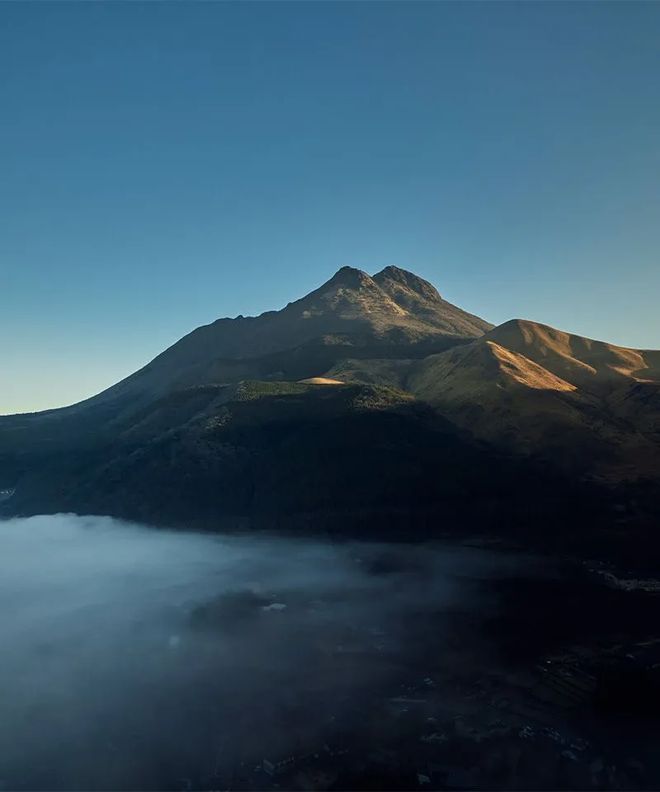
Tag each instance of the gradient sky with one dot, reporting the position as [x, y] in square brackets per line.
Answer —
[164, 164]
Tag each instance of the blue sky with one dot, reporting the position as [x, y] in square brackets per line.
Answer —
[163, 164]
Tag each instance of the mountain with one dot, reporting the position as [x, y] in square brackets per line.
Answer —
[384, 316]
[370, 406]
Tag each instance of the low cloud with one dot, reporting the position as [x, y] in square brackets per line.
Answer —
[137, 658]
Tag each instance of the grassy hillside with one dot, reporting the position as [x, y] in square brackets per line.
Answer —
[588, 407]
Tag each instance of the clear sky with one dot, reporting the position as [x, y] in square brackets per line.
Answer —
[164, 164]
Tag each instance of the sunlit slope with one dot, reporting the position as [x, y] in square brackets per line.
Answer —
[580, 361]
[590, 406]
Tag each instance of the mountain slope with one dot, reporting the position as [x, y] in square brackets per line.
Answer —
[346, 460]
[589, 406]
[582, 361]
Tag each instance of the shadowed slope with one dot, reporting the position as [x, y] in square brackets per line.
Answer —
[346, 460]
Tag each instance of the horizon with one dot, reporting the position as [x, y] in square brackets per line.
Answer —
[167, 165]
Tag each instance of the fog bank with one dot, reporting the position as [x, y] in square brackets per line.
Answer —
[135, 658]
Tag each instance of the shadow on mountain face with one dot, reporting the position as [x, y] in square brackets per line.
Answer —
[142, 659]
[351, 461]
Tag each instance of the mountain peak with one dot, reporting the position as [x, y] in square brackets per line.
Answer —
[351, 278]
[399, 279]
